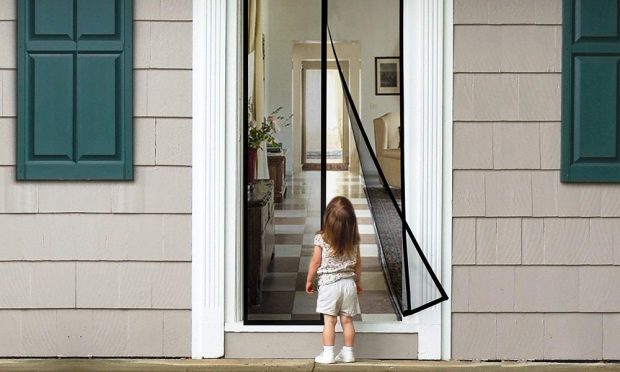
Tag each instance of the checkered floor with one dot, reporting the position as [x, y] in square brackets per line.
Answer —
[297, 219]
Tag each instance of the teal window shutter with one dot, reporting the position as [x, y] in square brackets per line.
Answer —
[590, 91]
[75, 74]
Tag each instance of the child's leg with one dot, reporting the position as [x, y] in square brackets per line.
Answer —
[329, 330]
[348, 330]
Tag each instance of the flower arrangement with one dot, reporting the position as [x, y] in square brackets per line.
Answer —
[264, 131]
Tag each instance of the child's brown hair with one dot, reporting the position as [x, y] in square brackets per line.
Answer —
[340, 229]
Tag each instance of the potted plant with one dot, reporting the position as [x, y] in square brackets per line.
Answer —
[263, 131]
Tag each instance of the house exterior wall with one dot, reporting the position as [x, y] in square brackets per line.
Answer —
[104, 268]
[536, 263]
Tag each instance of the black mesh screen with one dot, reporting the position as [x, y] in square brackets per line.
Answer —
[412, 282]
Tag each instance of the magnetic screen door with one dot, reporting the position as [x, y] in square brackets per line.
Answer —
[357, 119]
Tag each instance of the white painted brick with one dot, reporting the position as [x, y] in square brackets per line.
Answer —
[144, 142]
[471, 12]
[177, 336]
[468, 193]
[53, 284]
[40, 333]
[539, 97]
[496, 97]
[507, 48]
[73, 332]
[598, 289]
[531, 48]
[508, 193]
[155, 190]
[611, 336]
[477, 48]
[142, 44]
[533, 251]
[579, 200]
[520, 336]
[573, 336]
[172, 282]
[548, 12]
[11, 331]
[140, 92]
[174, 141]
[491, 288]
[9, 93]
[145, 333]
[7, 140]
[74, 197]
[8, 10]
[474, 336]
[550, 145]
[8, 39]
[604, 233]
[546, 289]
[460, 289]
[97, 285]
[176, 9]
[16, 292]
[610, 200]
[16, 197]
[177, 240]
[565, 240]
[169, 93]
[516, 146]
[463, 97]
[72, 236]
[511, 11]
[508, 241]
[171, 45]
[20, 238]
[109, 332]
[473, 146]
[134, 237]
[486, 240]
[135, 280]
[545, 193]
[463, 241]
[147, 9]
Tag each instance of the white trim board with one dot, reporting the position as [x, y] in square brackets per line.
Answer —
[217, 288]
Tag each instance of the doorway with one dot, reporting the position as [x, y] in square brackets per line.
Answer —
[337, 154]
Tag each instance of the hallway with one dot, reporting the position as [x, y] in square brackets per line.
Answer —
[297, 219]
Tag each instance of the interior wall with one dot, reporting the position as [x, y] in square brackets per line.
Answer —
[349, 21]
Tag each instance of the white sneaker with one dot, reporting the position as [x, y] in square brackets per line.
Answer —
[325, 358]
[345, 357]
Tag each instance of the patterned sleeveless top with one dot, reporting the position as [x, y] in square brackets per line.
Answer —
[333, 268]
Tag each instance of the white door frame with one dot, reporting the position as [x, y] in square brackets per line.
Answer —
[216, 143]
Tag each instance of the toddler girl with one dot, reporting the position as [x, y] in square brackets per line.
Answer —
[336, 261]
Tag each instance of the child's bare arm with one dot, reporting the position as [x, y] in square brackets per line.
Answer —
[315, 262]
[358, 271]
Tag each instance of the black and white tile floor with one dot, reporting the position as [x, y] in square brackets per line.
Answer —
[297, 219]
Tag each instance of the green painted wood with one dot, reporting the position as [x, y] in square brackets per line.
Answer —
[52, 93]
[97, 105]
[590, 91]
[596, 19]
[75, 94]
[51, 17]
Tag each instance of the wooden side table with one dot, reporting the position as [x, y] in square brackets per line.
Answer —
[277, 172]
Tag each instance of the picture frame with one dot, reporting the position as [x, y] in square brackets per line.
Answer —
[387, 76]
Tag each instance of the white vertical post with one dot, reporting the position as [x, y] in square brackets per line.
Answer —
[208, 177]
[423, 49]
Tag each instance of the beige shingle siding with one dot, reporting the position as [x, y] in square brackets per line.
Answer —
[104, 268]
[535, 260]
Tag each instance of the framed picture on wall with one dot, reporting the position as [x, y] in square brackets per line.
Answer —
[387, 76]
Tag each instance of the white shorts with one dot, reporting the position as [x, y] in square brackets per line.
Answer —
[338, 298]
